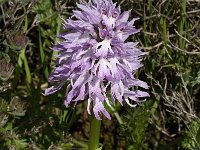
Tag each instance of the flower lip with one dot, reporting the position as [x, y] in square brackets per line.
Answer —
[109, 22]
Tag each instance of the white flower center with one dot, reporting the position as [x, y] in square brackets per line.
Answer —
[103, 48]
[109, 21]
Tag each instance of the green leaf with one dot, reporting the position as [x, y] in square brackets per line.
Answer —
[198, 136]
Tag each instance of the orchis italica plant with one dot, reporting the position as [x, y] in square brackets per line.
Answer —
[96, 58]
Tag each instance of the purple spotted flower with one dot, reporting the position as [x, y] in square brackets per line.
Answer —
[96, 58]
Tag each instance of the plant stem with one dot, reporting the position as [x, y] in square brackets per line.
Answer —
[94, 133]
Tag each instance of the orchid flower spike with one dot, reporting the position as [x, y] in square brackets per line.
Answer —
[96, 58]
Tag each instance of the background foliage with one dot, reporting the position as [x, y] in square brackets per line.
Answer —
[170, 32]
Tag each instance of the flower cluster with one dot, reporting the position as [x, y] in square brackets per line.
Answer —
[95, 58]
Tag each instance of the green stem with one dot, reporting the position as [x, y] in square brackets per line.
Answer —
[94, 133]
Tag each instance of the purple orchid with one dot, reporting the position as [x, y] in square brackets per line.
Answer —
[95, 58]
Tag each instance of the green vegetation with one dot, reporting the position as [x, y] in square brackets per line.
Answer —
[170, 33]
